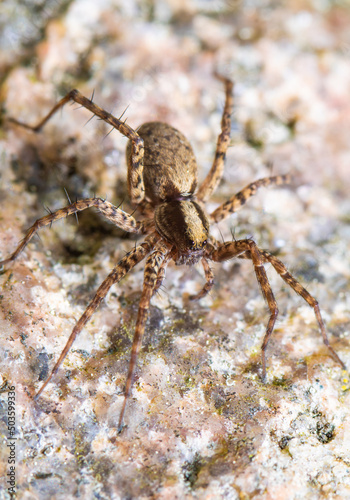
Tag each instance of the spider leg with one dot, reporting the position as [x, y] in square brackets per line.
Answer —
[209, 281]
[135, 167]
[124, 266]
[300, 290]
[239, 199]
[112, 213]
[213, 178]
[161, 274]
[232, 249]
[153, 265]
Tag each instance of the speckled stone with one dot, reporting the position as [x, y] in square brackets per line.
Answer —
[200, 423]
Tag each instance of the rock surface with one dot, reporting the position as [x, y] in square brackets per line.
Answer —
[200, 424]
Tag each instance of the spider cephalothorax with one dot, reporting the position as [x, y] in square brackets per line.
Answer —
[162, 180]
[184, 224]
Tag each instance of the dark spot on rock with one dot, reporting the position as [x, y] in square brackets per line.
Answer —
[283, 442]
[324, 432]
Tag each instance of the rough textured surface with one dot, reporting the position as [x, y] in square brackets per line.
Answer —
[200, 424]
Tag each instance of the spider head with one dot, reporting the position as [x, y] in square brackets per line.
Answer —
[184, 224]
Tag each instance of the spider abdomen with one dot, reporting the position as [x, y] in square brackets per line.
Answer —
[170, 168]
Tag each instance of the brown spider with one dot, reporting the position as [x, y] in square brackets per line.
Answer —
[162, 180]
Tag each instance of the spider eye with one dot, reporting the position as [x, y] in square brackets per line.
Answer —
[205, 242]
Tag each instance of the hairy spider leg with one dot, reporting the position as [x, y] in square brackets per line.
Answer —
[111, 212]
[214, 176]
[239, 199]
[121, 269]
[225, 251]
[135, 168]
[300, 290]
[209, 281]
[161, 273]
[153, 265]
[247, 249]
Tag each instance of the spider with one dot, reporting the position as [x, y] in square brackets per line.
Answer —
[162, 182]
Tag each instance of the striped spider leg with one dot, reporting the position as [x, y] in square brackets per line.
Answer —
[247, 249]
[122, 220]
